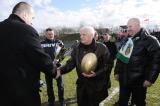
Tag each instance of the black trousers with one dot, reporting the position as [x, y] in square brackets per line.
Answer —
[88, 96]
[50, 91]
[138, 94]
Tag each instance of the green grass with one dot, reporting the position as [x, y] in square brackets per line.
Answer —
[153, 93]
[69, 89]
[69, 80]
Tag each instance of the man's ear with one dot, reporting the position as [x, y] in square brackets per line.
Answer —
[23, 16]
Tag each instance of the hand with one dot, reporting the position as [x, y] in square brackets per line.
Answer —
[58, 73]
[147, 84]
[92, 74]
[55, 61]
[116, 77]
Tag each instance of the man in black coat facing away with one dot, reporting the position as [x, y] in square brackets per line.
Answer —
[22, 59]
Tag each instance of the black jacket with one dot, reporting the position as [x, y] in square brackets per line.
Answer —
[50, 47]
[100, 80]
[22, 59]
[112, 49]
[144, 63]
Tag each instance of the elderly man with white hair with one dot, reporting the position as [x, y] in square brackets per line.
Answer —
[92, 85]
[137, 66]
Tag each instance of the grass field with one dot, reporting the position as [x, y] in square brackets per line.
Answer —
[153, 95]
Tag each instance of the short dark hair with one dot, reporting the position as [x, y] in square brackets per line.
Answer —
[18, 6]
[49, 29]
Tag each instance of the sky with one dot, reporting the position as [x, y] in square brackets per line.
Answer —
[98, 13]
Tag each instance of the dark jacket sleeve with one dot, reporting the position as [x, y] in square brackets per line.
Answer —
[104, 63]
[35, 54]
[153, 48]
[70, 64]
[118, 67]
[114, 51]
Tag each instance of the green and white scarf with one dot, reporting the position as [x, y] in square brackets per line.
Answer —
[125, 52]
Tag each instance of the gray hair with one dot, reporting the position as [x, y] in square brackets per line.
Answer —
[134, 20]
[89, 30]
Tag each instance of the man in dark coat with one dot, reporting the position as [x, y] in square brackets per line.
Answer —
[55, 49]
[113, 51]
[91, 87]
[137, 66]
[22, 59]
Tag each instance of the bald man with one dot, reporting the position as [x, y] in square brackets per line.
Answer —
[92, 87]
[22, 59]
[137, 66]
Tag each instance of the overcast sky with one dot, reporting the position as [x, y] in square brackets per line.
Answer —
[50, 13]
